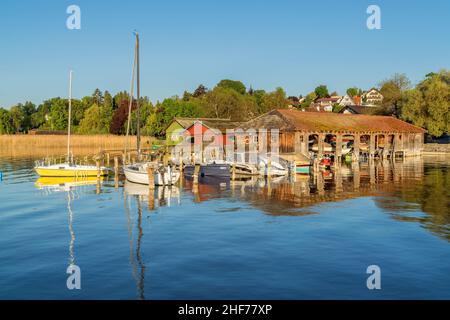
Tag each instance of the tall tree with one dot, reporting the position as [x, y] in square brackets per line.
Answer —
[321, 91]
[200, 91]
[238, 86]
[6, 126]
[354, 91]
[428, 104]
[97, 97]
[392, 90]
[274, 100]
[227, 103]
[92, 121]
[17, 117]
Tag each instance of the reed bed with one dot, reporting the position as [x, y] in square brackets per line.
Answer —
[56, 145]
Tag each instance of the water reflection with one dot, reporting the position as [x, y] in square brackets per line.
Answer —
[73, 187]
[403, 189]
[414, 190]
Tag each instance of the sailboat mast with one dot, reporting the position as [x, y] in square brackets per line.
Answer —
[70, 116]
[138, 125]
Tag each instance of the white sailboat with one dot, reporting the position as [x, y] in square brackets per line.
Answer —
[137, 172]
[68, 168]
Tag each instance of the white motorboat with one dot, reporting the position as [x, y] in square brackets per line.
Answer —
[275, 168]
[163, 176]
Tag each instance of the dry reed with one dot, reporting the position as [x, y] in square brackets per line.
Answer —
[56, 145]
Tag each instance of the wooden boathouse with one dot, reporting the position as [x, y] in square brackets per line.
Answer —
[301, 133]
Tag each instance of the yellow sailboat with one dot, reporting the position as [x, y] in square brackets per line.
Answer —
[68, 168]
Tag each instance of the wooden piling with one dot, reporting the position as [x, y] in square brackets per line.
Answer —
[151, 177]
[116, 172]
[97, 162]
[196, 173]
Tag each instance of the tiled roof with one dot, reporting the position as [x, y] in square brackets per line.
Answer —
[284, 119]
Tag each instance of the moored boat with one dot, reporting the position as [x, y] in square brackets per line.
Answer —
[163, 176]
[69, 170]
[271, 168]
[209, 170]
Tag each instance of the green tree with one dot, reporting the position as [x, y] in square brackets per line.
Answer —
[310, 98]
[97, 97]
[354, 91]
[392, 90]
[6, 126]
[321, 91]
[92, 121]
[259, 95]
[106, 112]
[238, 86]
[227, 103]
[163, 113]
[58, 116]
[17, 117]
[428, 104]
[274, 100]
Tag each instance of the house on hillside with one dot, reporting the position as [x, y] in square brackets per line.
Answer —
[326, 101]
[346, 101]
[373, 97]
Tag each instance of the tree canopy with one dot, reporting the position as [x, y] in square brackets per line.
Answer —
[425, 105]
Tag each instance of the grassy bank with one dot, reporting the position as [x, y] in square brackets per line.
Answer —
[54, 145]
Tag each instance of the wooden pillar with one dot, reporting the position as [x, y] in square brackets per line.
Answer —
[372, 171]
[151, 177]
[151, 199]
[97, 162]
[338, 153]
[372, 145]
[356, 143]
[196, 173]
[356, 175]
[320, 145]
[387, 145]
[297, 142]
[305, 144]
[116, 172]
[98, 190]
[338, 179]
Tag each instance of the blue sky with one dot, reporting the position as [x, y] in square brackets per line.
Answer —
[293, 44]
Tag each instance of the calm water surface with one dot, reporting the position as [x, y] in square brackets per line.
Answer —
[304, 239]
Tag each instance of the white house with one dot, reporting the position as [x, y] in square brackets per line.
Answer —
[346, 101]
[373, 97]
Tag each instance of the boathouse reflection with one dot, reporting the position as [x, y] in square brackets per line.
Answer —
[398, 187]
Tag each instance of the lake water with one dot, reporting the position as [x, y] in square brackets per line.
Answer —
[312, 238]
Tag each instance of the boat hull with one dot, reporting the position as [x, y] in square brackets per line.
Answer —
[302, 169]
[210, 170]
[142, 177]
[73, 173]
